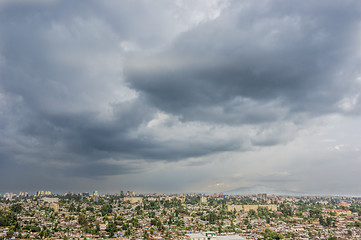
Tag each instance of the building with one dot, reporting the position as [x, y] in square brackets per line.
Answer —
[196, 236]
[55, 207]
[344, 204]
[42, 193]
[247, 208]
[8, 196]
[133, 199]
[262, 196]
[229, 237]
[203, 199]
[338, 211]
[23, 194]
[50, 200]
[212, 236]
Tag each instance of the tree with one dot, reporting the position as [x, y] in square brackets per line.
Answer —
[232, 226]
[268, 234]
[82, 220]
[329, 221]
[71, 208]
[111, 228]
[145, 234]
[106, 209]
[10, 233]
[97, 228]
[212, 217]
[7, 218]
[219, 228]
[34, 228]
[252, 213]
[357, 224]
[315, 213]
[286, 209]
[17, 208]
[128, 232]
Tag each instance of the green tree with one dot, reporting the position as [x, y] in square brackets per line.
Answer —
[219, 228]
[357, 224]
[97, 228]
[10, 233]
[145, 235]
[268, 234]
[329, 221]
[106, 209]
[111, 229]
[82, 220]
[315, 212]
[17, 208]
[7, 218]
[251, 213]
[286, 209]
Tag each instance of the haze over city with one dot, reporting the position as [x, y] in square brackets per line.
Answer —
[180, 96]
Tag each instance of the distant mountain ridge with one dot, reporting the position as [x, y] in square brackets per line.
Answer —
[262, 189]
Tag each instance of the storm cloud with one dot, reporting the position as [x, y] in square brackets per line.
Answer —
[117, 90]
[256, 57]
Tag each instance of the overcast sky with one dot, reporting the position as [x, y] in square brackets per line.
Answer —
[180, 96]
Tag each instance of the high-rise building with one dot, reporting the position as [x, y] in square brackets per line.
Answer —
[42, 193]
[8, 196]
[262, 196]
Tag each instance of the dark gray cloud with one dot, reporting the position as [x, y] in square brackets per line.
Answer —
[66, 106]
[113, 88]
[256, 63]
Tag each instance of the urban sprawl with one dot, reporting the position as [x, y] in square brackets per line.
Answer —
[44, 215]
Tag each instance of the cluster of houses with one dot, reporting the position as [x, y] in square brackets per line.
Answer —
[196, 217]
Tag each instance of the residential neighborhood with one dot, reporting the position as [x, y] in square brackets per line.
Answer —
[177, 216]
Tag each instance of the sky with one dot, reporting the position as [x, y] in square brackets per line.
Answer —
[180, 96]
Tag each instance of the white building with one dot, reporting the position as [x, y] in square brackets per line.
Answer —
[212, 236]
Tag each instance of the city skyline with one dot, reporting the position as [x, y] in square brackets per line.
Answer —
[220, 195]
[179, 96]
